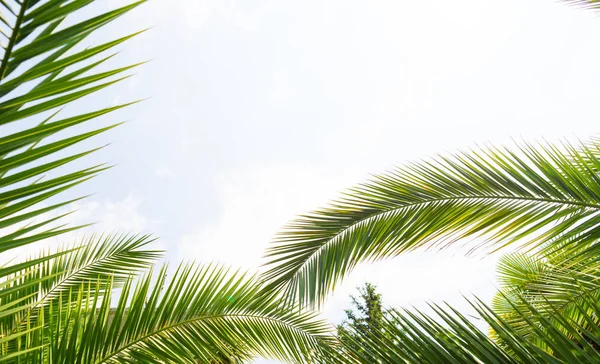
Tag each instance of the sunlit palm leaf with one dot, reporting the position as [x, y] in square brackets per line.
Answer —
[203, 314]
[530, 196]
[108, 261]
[44, 66]
[42, 69]
[549, 283]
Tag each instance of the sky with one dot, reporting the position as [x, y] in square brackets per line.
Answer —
[261, 110]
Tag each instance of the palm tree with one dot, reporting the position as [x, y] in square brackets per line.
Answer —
[56, 306]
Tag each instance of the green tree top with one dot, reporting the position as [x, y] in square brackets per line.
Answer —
[364, 320]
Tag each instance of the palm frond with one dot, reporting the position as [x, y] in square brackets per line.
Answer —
[500, 196]
[109, 261]
[448, 336]
[203, 314]
[42, 69]
[549, 283]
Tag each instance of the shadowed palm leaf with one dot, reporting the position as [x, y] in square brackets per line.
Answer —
[555, 282]
[447, 336]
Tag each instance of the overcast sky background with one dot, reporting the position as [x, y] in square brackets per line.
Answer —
[261, 110]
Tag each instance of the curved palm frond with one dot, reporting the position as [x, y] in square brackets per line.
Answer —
[500, 196]
[549, 283]
[109, 261]
[204, 314]
[43, 68]
[450, 337]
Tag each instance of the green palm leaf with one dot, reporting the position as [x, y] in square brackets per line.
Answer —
[45, 66]
[500, 196]
[448, 336]
[203, 314]
[108, 261]
[549, 283]
[42, 69]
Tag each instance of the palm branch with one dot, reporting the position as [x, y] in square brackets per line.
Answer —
[202, 314]
[529, 196]
[584, 4]
[555, 282]
[447, 336]
[108, 260]
[43, 67]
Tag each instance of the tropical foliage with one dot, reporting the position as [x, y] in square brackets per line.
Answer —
[544, 199]
[447, 336]
[536, 197]
[365, 319]
[102, 299]
[555, 285]
[203, 314]
[56, 306]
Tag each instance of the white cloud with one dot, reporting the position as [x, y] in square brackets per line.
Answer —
[121, 215]
[195, 14]
[282, 87]
[163, 171]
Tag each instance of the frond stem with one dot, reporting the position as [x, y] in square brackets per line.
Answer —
[13, 38]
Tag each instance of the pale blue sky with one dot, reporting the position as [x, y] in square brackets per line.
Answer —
[261, 110]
